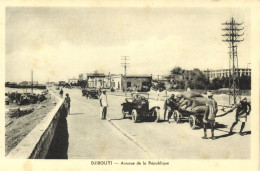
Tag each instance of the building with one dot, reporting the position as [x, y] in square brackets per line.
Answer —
[211, 74]
[73, 80]
[96, 80]
[131, 81]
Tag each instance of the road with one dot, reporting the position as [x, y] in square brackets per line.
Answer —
[117, 138]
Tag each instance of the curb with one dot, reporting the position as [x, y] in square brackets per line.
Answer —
[140, 145]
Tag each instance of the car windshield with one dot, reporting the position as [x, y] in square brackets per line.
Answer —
[140, 96]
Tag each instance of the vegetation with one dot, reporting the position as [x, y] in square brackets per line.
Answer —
[195, 79]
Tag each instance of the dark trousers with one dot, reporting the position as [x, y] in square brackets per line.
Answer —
[170, 112]
[234, 124]
[210, 124]
[103, 112]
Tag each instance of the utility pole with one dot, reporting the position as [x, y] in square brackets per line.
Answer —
[158, 76]
[248, 65]
[232, 37]
[125, 65]
[32, 82]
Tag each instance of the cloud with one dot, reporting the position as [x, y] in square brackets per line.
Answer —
[149, 56]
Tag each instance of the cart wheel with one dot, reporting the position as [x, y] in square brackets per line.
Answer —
[192, 121]
[134, 116]
[156, 114]
[123, 113]
[176, 116]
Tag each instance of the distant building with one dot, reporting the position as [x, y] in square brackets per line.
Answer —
[62, 83]
[132, 81]
[211, 74]
[73, 80]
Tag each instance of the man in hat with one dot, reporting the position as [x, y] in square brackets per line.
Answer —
[243, 109]
[209, 115]
[169, 104]
[67, 102]
[103, 104]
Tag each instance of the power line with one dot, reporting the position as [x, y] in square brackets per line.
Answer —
[125, 65]
[233, 37]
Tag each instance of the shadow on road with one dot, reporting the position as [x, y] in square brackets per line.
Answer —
[219, 125]
[228, 134]
[77, 113]
[117, 119]
[223, 136]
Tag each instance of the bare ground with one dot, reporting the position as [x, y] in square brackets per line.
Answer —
[17, 128]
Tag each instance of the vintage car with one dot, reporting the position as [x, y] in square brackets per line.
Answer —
[91, 93]
[192, 111]
[139, 109]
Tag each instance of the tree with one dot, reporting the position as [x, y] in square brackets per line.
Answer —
[160, 86]
[245, 82]
[176, 77]
[194, 79]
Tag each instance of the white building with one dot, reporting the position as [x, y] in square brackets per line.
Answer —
[211, 74]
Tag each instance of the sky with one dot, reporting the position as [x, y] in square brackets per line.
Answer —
[61, 43]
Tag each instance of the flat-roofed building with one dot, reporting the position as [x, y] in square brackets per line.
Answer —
[132, 81]
[211, 74]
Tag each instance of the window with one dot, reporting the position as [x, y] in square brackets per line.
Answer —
[128, 84]
[113, 84]
[144, 83]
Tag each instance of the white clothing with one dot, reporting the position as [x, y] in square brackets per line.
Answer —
[103, 99]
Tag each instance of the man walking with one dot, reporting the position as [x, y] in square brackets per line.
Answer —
[61, 93]
[169, 104]
[209, 115]
[243, 109]
[103, 104]
[67, 102]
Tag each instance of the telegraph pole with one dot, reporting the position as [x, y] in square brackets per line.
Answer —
[232, 37]
[32, 82]
[125, 65]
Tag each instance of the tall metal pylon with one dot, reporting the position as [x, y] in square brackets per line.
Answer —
[232, 35]
[125, 65]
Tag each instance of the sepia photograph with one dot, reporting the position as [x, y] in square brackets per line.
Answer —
[118, 84]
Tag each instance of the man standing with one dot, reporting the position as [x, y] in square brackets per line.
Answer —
[158, 94]
[169, 104]
[243, 109]
[67, 102]
[209, 115]
[103, 104]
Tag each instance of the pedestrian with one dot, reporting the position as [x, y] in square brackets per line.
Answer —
[67, 103]
[61, 93]
[103, 104]
[209, 115]
[158, 94]
[243, 109]
[169, 104]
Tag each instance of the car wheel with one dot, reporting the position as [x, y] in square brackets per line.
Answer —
[134, 116]
[176, 116]
[123, 113]
[156, 114]
[192, 121]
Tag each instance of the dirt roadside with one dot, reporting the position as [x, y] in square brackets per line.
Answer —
[18, 127]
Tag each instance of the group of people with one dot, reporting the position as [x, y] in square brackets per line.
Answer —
[102, 98]
[242, 108]
[67, 100]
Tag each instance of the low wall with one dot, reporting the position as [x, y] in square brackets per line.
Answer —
[37, 143]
